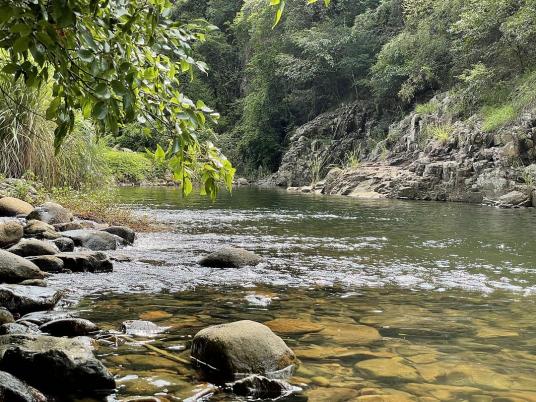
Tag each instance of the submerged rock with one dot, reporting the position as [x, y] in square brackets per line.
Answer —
[33, 247]
[51, 213]
[69, 327]
[10, 233]
[140, 328]
[94, 239]
[40, 230]
[230, 257]
[48, 263]
[222, 351]
[15, 269]
[86, 261]
[14, 390]
[64, 244]
[293, 326]
[260, 387]
[60, 366]
[124, 232]
[10, 206]
[26, 299]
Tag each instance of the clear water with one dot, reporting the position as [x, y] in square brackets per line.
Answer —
[446, 290]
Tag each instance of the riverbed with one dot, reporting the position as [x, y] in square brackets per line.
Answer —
[407, 300]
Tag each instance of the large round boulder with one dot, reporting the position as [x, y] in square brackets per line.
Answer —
[40, 230]
[230, 257]
[64, 244]
[51, 213]
[10, 233]
[94, 239]
[86, 261]
[15, 269]
[5, 316]
[10, 206]
[48, 263]
[242, 347]
[59, 366]
[124, 232]
[33, 247]
[69, 327]
[14, 390]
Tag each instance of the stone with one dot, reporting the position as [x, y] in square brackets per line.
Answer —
[230, 257]
[351, 334]
[140, 328]
[86, 261]
[40, 317]
[10, 233]
[94, 239]
[48, 263]
[18, 328]
[222, 351]
[124, 232]
[10, 206]
[289, 326]
[15, 269]
[333, 352]
[331, 394]
[60, 366]
[51, 213]
[63, 227]
[14, 390]
[33, 247]
[5, 316]
[26, 299]
[69, 327]
[34, 282]
[392, 369]
[64, 244]
[515, 199]
[40, 230]
[259, 387]
[155, 315]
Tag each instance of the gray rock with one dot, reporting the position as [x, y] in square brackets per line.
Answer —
[26, 299]
[34, 282]
[33, 247]
[124, 232]
[140, 328]
[94, 239]
[40, 317]
[48, 263]
[40, 230]
[10, 233]
[15, 269]
[222, 351]
[18, 328]
[515, 199]
[69, 327]
[86, 261]
[64, 244]
[259, 387]
[51, 213]
[10, 206]
[60, 366]
[5, 316]
[230, 257]
[14, 390]
[63, 227]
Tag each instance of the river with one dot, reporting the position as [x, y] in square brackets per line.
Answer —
[402, 300]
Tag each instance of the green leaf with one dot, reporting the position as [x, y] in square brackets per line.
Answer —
[186, 186]
[102, 91]
[119, 88]
[53, 108]
[159, 154]
[100, 110]
[85, 55]
[21, 44]
[22, 29]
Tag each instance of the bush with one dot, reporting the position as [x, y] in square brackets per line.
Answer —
[497, 117]
[440, 132]
[129, 167]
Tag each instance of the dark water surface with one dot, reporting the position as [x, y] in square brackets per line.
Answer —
[396, 301]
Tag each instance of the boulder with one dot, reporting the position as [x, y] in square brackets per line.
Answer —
[141, 328]
[14, 390]
[86, 261]
[51, 213]
[60, 366]
[40, 230]
[63, 227]
[124, 232]
[26, 299]
[230, 257]
[15, 269]
[69, 327]
[5, 316]
[10, 233]
[38, 318]
[33, 247]
[34, 282]
[18, 328]
[48, 263]
[94, 239]
[10, 206]
[259, 387]
[515, 199]
[64, 244]
[223, 351]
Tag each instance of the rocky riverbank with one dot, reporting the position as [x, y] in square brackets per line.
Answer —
[425, 156]
[46, 353]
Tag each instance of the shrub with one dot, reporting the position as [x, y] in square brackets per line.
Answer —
[129, 167]
[440, 132]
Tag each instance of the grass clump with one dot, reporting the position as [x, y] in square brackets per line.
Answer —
[427, 108]
[439, 132]
[497, 117]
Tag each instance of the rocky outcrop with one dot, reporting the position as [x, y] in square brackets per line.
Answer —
[230, 257]
[10, 206]
[10, 233]
[15, 269]
[222, 351]
[51, 213]
[423, 157]
[60, 366]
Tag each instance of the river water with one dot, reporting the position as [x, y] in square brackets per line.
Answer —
[381, 300]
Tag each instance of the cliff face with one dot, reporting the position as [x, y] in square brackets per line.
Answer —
[425, 157]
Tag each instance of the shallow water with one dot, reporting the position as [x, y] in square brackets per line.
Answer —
[407, 300]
